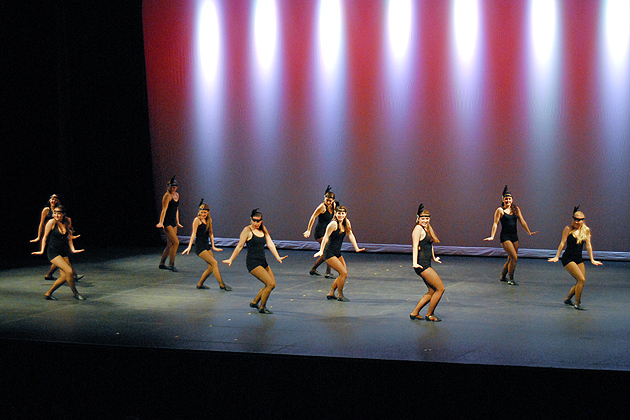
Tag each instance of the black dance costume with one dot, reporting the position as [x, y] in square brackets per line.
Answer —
[202, 241]
[256, 252]
[425, 254]
[573, 252]
[322, 222]
[508, 228]
[58, 243]
[333, 247]
[170, 218]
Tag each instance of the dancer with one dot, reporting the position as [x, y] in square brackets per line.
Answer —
[324, 214]
[202, 225]
[422, 239]
[169, 221]
[59, 248]
[575, 236]
[256, 235]
[508, 214]
[330, 248]
[46, 215]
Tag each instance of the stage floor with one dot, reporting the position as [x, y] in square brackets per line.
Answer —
[131, 303]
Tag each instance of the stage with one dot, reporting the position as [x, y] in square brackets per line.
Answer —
[141, 325]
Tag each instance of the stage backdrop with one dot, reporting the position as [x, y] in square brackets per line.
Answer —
[393, 103]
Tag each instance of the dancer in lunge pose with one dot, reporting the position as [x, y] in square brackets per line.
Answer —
[422, 238]
[575, 236]
[324, 214]
[256, 236]
[204, 244]
[58, 236]
[508, 214]
[46, 215]
[330, 248]
[169, 221]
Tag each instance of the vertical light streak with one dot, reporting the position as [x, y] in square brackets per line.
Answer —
[209, 80]
[266, 73]
[399, 24]
[265, 36]
[330, 33]
[467, 77]
[617, 24]
[466, 34]
[543, 69]
[614, 60]
[330, 85]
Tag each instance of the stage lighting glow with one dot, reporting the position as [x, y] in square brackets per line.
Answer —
[265, 34]
[399, 24]
[330, 33]
[617, 24]
[208, 41]
[209, 87]
[330, 88]
[615, 78]
[544, 58]
[466, 29]
[543, 31]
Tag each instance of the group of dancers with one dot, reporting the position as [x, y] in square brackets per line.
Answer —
[332, 227]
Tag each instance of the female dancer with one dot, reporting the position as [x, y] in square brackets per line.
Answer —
[59, 248]
[508, 214]
[256, 236]
[203, 225]
[422, 239]
[169, 221]
[331, 250]
[46, 215]
[324, 214]
[575, 236]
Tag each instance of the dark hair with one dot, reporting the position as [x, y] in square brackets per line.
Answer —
[56, 197]
[329, 194]
[255, 213]
[64, 220]
[338, 209]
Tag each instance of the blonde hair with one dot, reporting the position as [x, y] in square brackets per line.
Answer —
[429, 229]
[583, 232]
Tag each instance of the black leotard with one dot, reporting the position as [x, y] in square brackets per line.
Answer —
[256, 252]
[170, 218]
[425, 254]
[57, 243]
[322, 222]
[508, 228]
[333, 247]
[202, 241]
[573, 251]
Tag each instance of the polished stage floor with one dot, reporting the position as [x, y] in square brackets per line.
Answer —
[504, 337]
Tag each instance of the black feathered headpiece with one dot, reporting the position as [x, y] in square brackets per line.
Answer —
[420, 208]
[506, 193]
[172, 182]
[575, 209]
[201, 202]
[327, 190]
